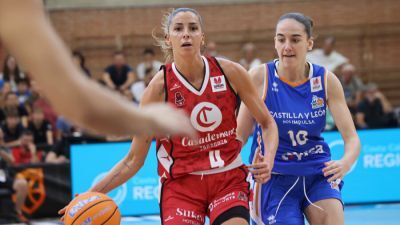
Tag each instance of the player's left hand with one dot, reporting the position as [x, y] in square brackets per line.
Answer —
[261, 168]
[337, 169]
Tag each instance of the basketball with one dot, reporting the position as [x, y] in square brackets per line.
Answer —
[92, 208]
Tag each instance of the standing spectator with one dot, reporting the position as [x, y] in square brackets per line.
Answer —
[12, 128]
[26, 152]
[40, 128]
[11, 72]
[327, 56]
[374, 111]
[119, 76]
[23, 91]
[249, 59]
[149, 62]
[80, 61]
[352, 86]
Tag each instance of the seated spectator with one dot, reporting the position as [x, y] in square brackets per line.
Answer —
[41, 128]
[6, 89]
[26, 152]
[352, 86]
[137, 88]
[374, 110]
[8, 180]
[79, 60]
[249, 59]
[119, 76]
[149, 63]
[63, 128]
[37, 100]
[12, 128]
[23, 91]
[327, 56]
[11, 72]
[59, 153]
[212, 50]
[11, 103]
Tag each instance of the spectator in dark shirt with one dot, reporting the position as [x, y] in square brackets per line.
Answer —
[12, 128]
[41, 128]
[8, 179]
[11, 103]
[23, 91]
[59, 153]
[11, 72]
[374, 111]
[119, 76]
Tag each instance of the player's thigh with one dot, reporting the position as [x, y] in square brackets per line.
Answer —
[182, 201]
[332, 213]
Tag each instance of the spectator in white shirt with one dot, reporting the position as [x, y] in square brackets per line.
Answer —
[327, 56]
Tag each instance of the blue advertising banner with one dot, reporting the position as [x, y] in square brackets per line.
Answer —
[374, 177]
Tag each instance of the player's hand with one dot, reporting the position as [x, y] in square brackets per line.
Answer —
[167, 120]
[61, 212]
[261, 168]
[335, 169]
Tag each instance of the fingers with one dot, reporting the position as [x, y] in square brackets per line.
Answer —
[62, 211]
[335, 177]
[331, 171]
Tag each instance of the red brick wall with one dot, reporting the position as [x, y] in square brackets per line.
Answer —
[367, 31]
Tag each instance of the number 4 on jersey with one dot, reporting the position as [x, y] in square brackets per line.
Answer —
[215, 159]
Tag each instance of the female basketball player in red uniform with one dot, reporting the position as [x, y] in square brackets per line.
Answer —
[203, 176]
[28, 35]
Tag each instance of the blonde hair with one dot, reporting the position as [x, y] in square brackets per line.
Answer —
[165, 24]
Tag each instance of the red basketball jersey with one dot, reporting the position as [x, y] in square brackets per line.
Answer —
[212, 114]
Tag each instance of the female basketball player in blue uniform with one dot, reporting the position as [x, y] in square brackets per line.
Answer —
[305, 180]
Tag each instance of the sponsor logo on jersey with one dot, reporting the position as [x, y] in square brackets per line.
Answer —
[242, 196]
[275, 87]
[317, 102]
[175, 86]
[298, 156]
[206, 116]
[179, 99]
[316, 84]
[218, 83]
[335, 184]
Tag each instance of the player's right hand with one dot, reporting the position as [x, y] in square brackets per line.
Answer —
[261, 168]
[167, 120]
[61, 212]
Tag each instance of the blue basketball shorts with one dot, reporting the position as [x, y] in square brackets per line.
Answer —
[283, 199]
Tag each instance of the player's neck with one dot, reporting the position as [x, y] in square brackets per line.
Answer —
[294, 73]
[191, 68]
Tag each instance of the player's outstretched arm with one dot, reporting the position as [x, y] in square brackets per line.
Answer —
[337, 169]
[41, 52]
[134, 160]
[241, 82]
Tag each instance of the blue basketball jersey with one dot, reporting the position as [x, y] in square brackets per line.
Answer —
[300, 114]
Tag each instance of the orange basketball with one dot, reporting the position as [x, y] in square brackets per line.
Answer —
[92, 208]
